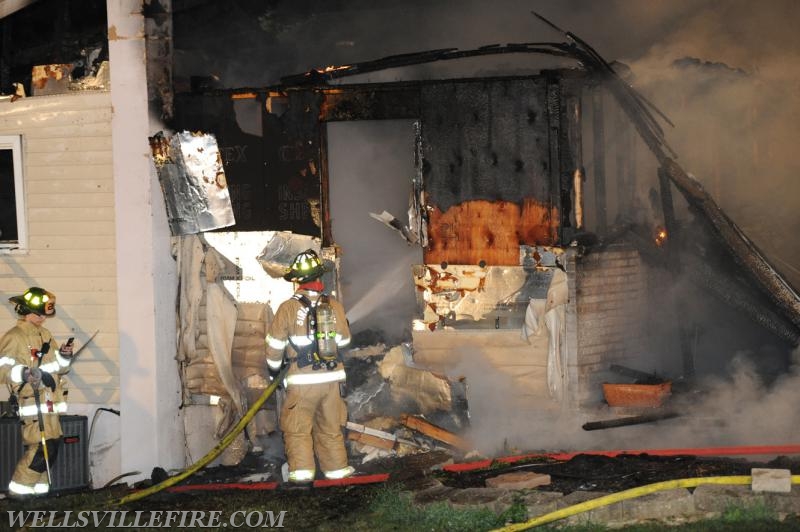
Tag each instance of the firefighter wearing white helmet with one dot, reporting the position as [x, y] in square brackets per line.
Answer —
[30, 362]
[307, 332]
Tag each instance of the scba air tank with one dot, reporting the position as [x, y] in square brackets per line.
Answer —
[326, 331]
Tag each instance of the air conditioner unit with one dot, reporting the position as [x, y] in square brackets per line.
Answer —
[71, 469]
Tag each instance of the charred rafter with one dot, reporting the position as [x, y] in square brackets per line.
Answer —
[322, 76]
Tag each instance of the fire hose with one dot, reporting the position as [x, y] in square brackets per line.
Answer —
[213, 453]
[629, 494]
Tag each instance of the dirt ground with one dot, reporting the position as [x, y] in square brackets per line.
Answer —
[352, 507]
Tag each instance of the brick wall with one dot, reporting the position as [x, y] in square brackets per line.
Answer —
[611, 307]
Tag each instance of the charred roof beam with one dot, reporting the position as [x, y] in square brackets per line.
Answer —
[323, 76]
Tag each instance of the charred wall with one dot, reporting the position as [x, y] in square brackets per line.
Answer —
[273, 172]
[498, 158]
[486, 140]
[52, 32]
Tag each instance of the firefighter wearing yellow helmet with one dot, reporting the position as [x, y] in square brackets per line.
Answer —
[307, 332]
[30, 363]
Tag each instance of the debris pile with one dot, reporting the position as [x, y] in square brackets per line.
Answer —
[397, 408]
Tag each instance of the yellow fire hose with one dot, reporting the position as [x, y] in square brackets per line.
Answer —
[629, 494]
[213, 453]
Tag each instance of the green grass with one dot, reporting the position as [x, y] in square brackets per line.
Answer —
[393, 510]
[384, 508]
[752, 518]
[752, 512]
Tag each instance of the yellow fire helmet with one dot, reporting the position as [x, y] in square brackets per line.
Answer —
[36, 300]
[305, 267]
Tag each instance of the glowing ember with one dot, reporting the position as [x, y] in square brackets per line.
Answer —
[332, 68]
[660, 236]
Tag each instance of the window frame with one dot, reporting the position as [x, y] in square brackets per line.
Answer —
[14, 143]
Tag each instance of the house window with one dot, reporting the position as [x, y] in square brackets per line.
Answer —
[13, 231]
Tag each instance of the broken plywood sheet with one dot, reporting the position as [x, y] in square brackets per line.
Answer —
[369, 440]
[423, 426]
[518, 480]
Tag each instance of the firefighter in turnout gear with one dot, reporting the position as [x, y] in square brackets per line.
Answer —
[30, 365]
[307, 332]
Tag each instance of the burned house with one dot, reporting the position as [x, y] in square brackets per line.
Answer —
[556, 234]
[531, 230]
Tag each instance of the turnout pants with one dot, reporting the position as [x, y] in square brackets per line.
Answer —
[311, 420]
[30, 475]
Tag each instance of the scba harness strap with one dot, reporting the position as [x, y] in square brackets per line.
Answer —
[309, 355]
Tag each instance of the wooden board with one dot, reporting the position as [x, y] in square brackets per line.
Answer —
[489, 231]
[438, 433]
[369, 439]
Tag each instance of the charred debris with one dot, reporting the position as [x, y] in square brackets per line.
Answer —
[560, 240]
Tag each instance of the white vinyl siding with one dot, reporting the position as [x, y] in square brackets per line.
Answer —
[71, 249]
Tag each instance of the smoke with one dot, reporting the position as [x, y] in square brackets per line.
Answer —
[385, 288]
[371, 166]
[250, 43]
[728, 77]
[736, 409]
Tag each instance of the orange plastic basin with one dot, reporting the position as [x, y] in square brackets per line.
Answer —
[636, 394]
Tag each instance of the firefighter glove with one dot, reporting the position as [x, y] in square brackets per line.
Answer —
[32, 376]
[35, 377]
[48, 380]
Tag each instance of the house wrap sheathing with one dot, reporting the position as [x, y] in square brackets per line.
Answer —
[221, 350]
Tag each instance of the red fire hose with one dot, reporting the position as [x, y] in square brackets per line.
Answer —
[703, 451]
[482, 464]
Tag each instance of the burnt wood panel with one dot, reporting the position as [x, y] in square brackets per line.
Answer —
[488, 231]
[360, 103]
[485, 139]
[570, 151]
